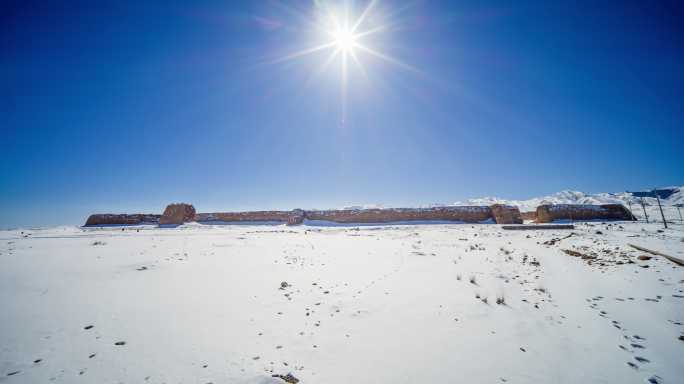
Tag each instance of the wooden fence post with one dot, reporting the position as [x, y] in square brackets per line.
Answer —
[661, 208]
[641, 199]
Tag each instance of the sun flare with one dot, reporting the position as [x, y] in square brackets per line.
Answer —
[345, 40]
[347, 37]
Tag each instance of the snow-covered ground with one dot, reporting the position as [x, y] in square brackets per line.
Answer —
[387, 304]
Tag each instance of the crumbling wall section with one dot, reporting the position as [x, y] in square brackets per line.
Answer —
[582, 212]
[176, 214]
[254, 216]
[506, 214]
[456, 214]
[121, 219]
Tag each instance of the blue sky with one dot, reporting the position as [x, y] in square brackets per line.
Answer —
[127, 106]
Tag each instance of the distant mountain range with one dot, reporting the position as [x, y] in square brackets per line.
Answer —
[676, 196]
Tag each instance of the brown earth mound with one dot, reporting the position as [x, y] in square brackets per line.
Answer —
[580, 212]
[121, 219]
[177, 214]
[506, 214]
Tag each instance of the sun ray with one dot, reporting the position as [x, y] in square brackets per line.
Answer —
[387, 58]
[323, 67]
[299, 15]
[344, 88]
[333, 20]
[363, 16]
[380, 28]
[305, 52]
[358, 63]
[344, 33]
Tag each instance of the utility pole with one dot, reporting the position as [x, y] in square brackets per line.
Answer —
[680, 213]
[655, 192]
[629, 203]
[641, 199]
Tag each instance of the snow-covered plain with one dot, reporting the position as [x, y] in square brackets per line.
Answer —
[386, 304]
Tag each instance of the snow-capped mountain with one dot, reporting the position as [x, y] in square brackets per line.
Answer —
[675, 196]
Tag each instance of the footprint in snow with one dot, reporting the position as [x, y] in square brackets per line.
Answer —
[641, 359]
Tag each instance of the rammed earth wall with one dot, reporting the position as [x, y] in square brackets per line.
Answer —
[501, 214]
[581, 212]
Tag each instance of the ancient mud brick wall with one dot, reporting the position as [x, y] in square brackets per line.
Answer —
[177, 214]
[464, 214]
[279, 216]
[123, 219]
[502, 214]
[506, 214]
[581, 212]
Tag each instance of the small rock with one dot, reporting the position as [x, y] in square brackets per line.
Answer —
[289, 378]
[644, 257]
[88, 327]
[120, 343]
[284, 285]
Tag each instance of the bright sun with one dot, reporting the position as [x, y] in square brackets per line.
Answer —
[345, 40]
[346, 37]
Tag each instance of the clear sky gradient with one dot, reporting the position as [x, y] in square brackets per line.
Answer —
[128, 106]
